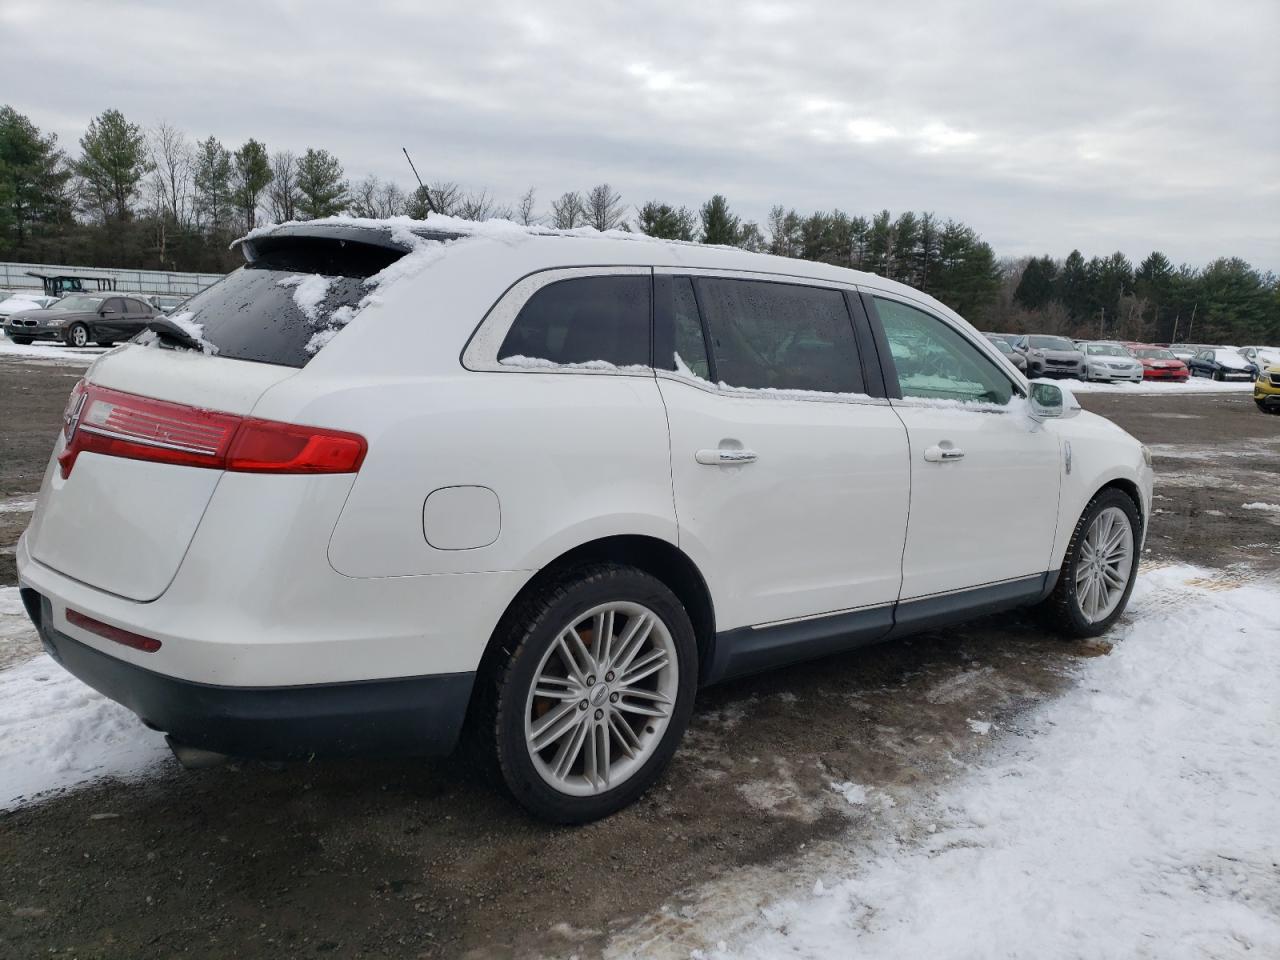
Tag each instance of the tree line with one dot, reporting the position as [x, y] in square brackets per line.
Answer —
[158, 199]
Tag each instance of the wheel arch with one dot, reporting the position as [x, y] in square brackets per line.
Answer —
[658, 558]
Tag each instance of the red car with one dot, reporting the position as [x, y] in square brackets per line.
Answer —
[1158, 363]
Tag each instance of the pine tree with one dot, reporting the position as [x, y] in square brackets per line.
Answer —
[33, 177]
[719, 225]
[213, 186]
[112, 164]
[662, 220]
[322, 192]
[252, 175]
[1036, 288]
[1073, 286]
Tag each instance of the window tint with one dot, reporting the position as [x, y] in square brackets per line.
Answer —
[115, 304]
[678, 341]
[780, 336]
[935, 362]
[584, 319]
[135, 307]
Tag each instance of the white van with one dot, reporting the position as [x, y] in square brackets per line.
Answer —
[391, 479]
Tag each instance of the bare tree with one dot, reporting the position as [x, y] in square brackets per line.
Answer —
[568, 212]
[282, 192]
[391, 201]
[604, 208]
[524, 211]
[477, 205]
[377, 199]
[446, 197]
[171, 159]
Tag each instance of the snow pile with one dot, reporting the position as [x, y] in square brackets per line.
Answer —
[1265, 507]
[1193, 385]
[49, 350]
[309, 292]
[540, 363]
[18, 505]
[1133, 816]
[55, 733]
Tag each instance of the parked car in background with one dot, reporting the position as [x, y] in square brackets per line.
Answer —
[1261, 357]
[1266, 389]
[18, 302]
[616, 471]
[1222, 363]
[1159, 363]
[1109, 361]
[1006, 337]
[1012, 355]
[166, 303]
[83, 317]
[1185, 351]
[1048, 356]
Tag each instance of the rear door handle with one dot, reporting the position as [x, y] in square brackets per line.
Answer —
[725, 458]
[940, 454]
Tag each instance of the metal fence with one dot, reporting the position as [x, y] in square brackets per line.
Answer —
[13, 276]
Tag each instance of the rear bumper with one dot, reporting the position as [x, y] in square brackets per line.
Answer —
[402, 716]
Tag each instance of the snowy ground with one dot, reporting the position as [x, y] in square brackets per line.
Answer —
[48, 350]
[1135, 816]
[1194, 385]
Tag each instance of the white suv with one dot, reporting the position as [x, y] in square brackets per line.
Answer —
[390, 480]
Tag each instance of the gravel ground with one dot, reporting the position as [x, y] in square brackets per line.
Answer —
[414, 859]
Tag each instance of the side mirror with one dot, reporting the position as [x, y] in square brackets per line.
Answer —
[1049, 401]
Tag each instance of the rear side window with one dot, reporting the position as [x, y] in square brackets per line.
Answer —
[780, 336]
[289, 302]
[580, 321]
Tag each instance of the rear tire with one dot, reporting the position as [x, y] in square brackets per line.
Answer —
[1096, 578]
[569, 763]
[77, 335]
[1218, 375]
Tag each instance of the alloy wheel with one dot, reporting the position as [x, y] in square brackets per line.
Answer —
[601, 698]
[1105, 564]
[79, 336]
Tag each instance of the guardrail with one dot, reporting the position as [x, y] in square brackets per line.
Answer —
[13, 276]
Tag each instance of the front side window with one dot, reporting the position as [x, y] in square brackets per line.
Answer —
[780, 336]
[934, 362]
[582, 321]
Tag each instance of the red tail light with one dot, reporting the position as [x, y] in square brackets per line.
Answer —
[117, 424]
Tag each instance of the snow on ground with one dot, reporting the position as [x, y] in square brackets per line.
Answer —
[1134, 816]
[55, 732]
[48, 350]
[1265, 507]
[1194, 385]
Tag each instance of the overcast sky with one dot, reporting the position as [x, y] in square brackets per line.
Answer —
[1097, 125]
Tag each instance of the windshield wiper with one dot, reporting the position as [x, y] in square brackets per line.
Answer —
[172, 334]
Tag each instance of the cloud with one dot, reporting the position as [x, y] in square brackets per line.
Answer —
[1045, 126]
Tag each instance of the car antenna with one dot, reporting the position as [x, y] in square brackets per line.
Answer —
[426, 194]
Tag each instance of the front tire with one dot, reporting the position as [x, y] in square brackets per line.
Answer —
[22, 341]
[77, 335]
[589, 708]
[1099, 570]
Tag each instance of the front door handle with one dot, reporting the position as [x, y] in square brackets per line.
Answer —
[725, 458]
[941, 454]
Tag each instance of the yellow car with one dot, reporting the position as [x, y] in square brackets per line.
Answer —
[1266, 389]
